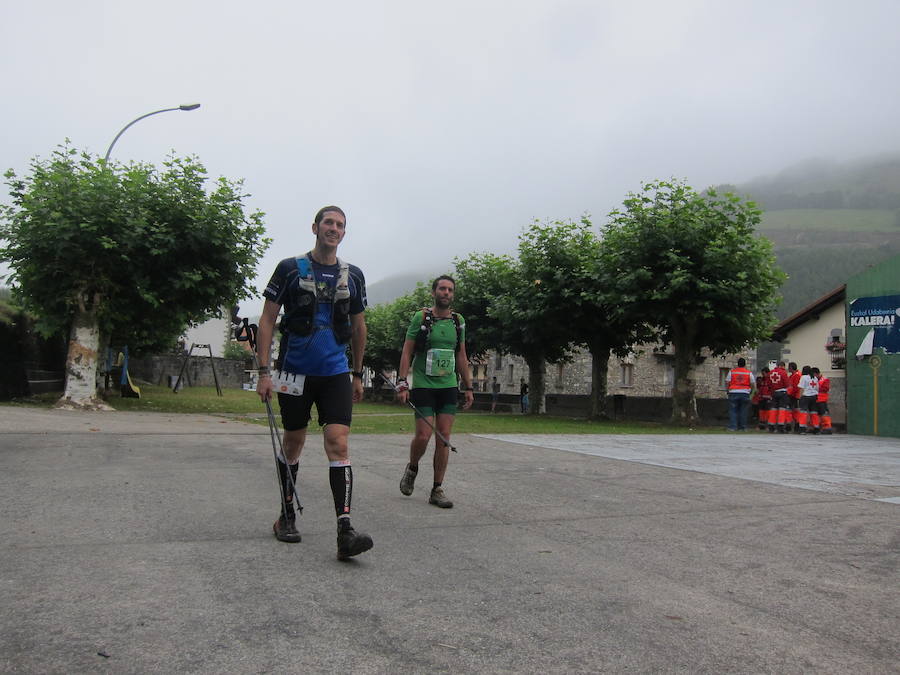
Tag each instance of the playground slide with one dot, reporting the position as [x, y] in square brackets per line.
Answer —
[129, 389]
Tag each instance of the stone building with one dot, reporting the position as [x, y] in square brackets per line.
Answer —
[648, 373]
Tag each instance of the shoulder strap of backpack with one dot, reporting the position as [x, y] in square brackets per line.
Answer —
[304, 266]
[342, 288]
[424, 329]
[458, 329]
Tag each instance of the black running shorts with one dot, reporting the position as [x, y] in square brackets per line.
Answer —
[431, 402]
[332, 394]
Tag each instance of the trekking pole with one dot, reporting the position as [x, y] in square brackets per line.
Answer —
[419, 413]
[277, 446]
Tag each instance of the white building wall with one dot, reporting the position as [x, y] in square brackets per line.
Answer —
[805, 345]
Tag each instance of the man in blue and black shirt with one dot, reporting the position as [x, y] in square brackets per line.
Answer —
[324, 300]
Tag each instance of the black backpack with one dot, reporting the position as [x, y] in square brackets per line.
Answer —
[428, 324]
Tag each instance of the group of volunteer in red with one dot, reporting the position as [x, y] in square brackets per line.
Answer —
[793, 399]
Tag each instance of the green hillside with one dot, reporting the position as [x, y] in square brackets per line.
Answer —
[391, 288]
[844, 220]
[866, 183]
[828, 221]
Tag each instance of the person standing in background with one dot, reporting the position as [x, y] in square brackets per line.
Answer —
[808, 386]
[794, 395]
[822, 403]
[739, 382]
[781, 410]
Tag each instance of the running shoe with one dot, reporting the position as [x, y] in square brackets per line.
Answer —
[285, 529]
[349, 541]
[438, 498]
[408, 480]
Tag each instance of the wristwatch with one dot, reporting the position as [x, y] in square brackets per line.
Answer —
[357, 373]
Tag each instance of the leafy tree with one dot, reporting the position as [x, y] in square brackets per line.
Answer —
[130, 253]
[237, 351]
[569, 289]
[691, 267]
[387, 324]
[507, 311]
[480, 279]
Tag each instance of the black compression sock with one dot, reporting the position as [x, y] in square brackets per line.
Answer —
[340, 475]
[285, 484]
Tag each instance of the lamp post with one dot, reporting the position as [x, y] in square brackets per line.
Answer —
[189, 106]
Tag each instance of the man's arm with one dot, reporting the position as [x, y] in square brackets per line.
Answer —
[264, 347]
[462, 367]
[403, 369]
[358, 348]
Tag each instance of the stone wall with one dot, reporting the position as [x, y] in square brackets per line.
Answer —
[651, 374]
[198, 372]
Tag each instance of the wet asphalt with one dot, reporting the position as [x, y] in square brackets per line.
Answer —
[138, 542]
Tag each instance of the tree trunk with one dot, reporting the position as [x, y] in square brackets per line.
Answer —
[81, 363]
[684, 403]
[599, 370]
[536, 382]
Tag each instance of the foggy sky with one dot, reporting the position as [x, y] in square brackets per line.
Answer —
[445, 128]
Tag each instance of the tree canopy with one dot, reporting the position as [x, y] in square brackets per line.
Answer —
[507, 310]
[132, 252]
[570, 290]
[387, 324]
[691, 266]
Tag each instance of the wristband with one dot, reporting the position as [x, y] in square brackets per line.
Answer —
[357, 373]
[264, 370]
[468, 389]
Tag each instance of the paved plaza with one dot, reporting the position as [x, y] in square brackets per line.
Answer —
[137, 542]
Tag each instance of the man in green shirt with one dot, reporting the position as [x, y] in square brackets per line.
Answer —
[435, 346]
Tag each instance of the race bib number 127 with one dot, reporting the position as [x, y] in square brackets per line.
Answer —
[440, 362]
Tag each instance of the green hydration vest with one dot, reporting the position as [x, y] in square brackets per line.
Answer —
[302, 318]
[425, 330]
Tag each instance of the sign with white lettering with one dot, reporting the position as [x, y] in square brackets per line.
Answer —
[881, 315]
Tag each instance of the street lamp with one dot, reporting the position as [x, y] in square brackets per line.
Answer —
[189, 106]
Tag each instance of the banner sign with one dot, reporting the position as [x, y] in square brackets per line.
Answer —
[881, 315]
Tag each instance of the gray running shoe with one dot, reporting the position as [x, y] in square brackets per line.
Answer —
[408, 481]
[285, 529]
[439, 499]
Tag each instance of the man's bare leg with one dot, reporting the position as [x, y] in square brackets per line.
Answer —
[417, 448]
[441, 458]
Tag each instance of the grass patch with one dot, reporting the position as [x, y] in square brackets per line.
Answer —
[368, 418]
[504, 423]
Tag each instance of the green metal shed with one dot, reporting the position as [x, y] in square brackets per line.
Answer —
[873, 350]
